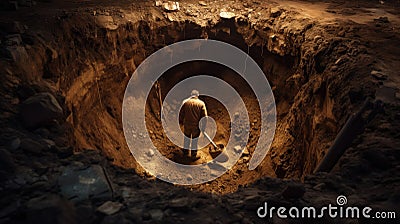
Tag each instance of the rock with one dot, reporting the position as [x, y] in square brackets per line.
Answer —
[32, 146]
[6, 161]
[202, 3]
[171, 6]
[293, 191]
[159, 3]
[50, 143]
[245, 152]
[378, 75]
[109, 207]
[227, 15]
[179, 203]
[106, 21]
[40, 110]
[237, 148]
[150, 153]
[81, 184]
[275, 12]
[50, 209]
[156, 214]
[15, 144]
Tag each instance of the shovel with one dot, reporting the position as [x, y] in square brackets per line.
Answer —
[217, 148]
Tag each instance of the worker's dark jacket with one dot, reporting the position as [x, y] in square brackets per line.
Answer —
[193, 109]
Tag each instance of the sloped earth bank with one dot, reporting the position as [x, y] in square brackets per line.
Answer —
[321, 59]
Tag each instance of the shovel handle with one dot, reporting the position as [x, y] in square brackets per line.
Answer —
[209, 139]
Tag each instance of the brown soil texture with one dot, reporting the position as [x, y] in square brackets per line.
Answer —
[322, 59]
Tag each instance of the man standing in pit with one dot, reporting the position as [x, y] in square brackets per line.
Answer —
[192, 110]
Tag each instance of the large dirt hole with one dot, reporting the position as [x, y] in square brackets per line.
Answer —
[216, 109]
[95, 87]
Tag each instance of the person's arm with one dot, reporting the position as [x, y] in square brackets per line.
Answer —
[203, 112]
[181, 114]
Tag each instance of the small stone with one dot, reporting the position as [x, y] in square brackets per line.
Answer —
[109, 207]
[179, 203]
[189, 177]
[106, 21]
[171, 6]
[237, 148]
[202, 3]
[150, 153]
[378, 75]
[159, 3]
[156, 214]
[246, 152]
[227, 15]
[50, 143]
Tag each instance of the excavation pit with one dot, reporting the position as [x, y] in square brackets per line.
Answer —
[301, 67]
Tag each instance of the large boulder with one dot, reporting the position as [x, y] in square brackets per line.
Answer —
[40, 110]
[77, 184]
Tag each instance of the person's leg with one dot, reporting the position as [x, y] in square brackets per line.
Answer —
[195, 138]
[186, 144]
[194, 147]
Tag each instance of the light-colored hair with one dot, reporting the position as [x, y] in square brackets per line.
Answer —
[195, 93]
